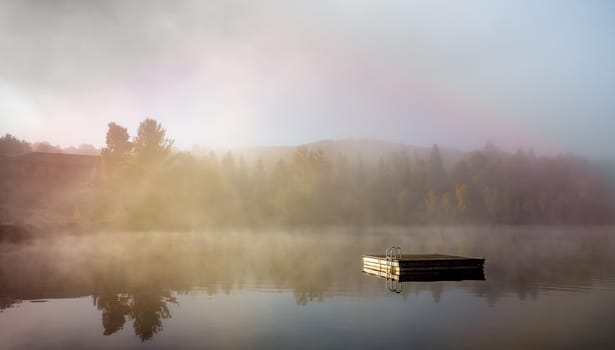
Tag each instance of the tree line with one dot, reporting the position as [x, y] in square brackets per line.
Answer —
[12, 146]
[144, 184]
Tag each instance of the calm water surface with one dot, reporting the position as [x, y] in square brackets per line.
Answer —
[546, 288]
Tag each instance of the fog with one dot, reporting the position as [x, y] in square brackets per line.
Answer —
[209, 174]
[314, 264]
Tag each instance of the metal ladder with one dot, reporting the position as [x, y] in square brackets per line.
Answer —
[392, 255]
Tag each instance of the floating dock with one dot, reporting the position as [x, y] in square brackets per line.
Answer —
[415, 262]
[395, 265]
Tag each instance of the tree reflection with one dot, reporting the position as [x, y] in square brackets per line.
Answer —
[114, 309]
[145, 308]
[148, 310]
[7, 302]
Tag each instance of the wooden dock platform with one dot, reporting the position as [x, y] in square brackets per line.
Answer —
[419, 262]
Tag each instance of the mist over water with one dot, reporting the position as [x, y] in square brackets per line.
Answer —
[305, 288]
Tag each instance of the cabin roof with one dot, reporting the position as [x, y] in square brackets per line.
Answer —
[57, 158]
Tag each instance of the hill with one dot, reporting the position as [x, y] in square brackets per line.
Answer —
[369, 151]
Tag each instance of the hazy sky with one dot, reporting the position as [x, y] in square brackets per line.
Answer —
[240, 73]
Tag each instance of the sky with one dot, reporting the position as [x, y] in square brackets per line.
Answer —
[228, 74]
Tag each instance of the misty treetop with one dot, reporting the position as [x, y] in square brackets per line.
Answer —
[141, 182]
[10, 145]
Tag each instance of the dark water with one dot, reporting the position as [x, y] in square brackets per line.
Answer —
[544, 288]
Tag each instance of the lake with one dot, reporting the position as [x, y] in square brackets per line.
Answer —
[543, 287]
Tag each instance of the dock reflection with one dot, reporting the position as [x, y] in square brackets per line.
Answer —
[394, 282]
[477, 274]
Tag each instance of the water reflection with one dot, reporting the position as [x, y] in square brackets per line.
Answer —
[146, 309]
[395, 282]
[136, 277]
[7, 302]
[431, 276]
[115, 310]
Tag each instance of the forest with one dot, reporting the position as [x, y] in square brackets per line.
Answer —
[144, 183]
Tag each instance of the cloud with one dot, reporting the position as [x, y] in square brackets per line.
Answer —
[289, 72]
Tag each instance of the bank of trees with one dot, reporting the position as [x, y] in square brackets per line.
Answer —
[144, 184]
[12, 146]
